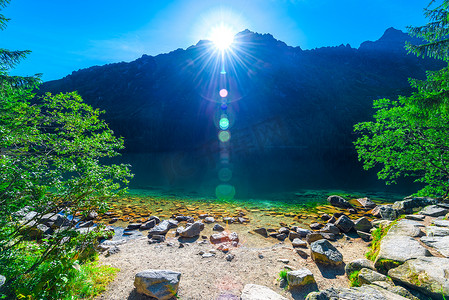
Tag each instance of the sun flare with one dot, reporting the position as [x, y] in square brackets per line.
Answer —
[222, 36]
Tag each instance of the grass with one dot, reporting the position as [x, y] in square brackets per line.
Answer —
[283, 277]
[354, 278]
[378, 235]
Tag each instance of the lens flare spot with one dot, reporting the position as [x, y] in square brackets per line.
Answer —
[223, 93]
[224, 123]
[224, 106]
[225, 174]
[224, 136]
[225, 192]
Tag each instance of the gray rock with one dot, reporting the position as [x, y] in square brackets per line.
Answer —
[218, 227]
[37, 232]
[300, 277]
[366, 202]
[362, 224]
[344, 223]
[114, 243]
[383, 223]
[386, 212]
[223, 237]
[303, 232]
[441, 223]
[191, 230]
[2, 280]
[406, 228]
[181, 218]
[228, 220]
[439, 243]
[209, 220]
[284, 230]
[203, 216]
[281, 236]
[411, 204]
[434, 211]
[112, 250]
[160, 284]
[397, 289]
[338, 201]
[366, 292]
[208, 255]
[293, 235]
[262, 231]
[316, 226]
[368, 276]
[92, 215]
[325, 217]
[299, 243]
[48, 219]
[259, 292]
[415, 217]
[330, 228]
[230, 257]
[133, 226]
[425, 274]
[314, 236]
[148, 225]
[323, 252]
[357, 265]
[436, 231]
[162, 228]
[156, 219]
[86, 224]
[364, 236]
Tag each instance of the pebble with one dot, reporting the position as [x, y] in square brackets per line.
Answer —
[284, 260]
[230, 257]
[207, 255]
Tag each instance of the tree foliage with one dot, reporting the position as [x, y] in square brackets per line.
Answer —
[409, 136]
[52, 161]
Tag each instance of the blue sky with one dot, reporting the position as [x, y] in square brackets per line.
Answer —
[68, 35]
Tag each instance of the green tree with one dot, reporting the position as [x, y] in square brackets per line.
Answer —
[53, 151]
[409, 136]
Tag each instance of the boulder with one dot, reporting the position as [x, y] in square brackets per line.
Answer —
[112, 250]
[293, 235]
[415, 217]
[338, 201]
[383, 223]
[368, 276]
[436, 231]
[323, 252]
[303, 232]
[92, 215]
[362, 224]
[262, 231]
[366, 202]
[281, 236]
[228, 220]
[366, 292]
[156, 219]
[218, 227]
[344, 223]
[133, 226]
[300, 277]
[284, 230]
[434, 211]
[357, 265]
[439, 243]
[162, 228]
[209, 220]
[386, 212]
[441, 223]
[191, 230]
[148, 225]
[259, 292]
[412, 204]
[37, 232]
[364, 236]
[181, 218]
[325, 217]
[330, 228]
[397, 289]
[160, 284]
[406, 228]
[316, 226]
[425, 274]
[314, 236]
[299, 243]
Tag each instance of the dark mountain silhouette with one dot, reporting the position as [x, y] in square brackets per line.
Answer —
[285, 102]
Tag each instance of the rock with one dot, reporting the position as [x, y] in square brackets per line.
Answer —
[112, 250]
[218, 227]
[436, 231]
[302, 253]
[299, 243]
[357, 265]
[366, 292]
[181, 218]
[259, 292]
[332, 220]
[262, 231]
[329, 236]
[425, 274]
[439, 243]
[434, 211]
[223, 237]
[156, 219]
[399, 290]
[314, 236]
[162, 228]
[415, 217]
[300, 277]
[203, 216]
[133, 226]
[37, 232]
[366, 202]
[230, 257]
[316, 226]
[284, 230]
[441, 223]
[160, 284]
[157, 238]
[283, 260]
[323, 252]
[352, 210]
[128, 232]
[406, 228]
[228, 220]
[338, 201]
[362, 224]
[409, 205]
[48, 219]
[148, 225]
[368, 276]
[293, 235]
[208, 255]
[2, 280]
[114, 243]
[92, 215]
[209, 220]
[325, 217]
[330, 228]
[386, 212]
[383, 223]
[281, 236]
[303, 232]
[344, 223]
[364, 236]
[192, 230]
[242, 220]
[113, 220]
[86, 224]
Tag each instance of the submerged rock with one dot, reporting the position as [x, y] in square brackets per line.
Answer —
[160, 284]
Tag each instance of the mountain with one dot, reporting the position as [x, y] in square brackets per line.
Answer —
[286, 103]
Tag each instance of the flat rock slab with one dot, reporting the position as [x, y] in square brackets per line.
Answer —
[439, 243]
[409, 205]
[366, 292]
[426, 274]
[406, 228]
[259, 292]
[434, 211]
[368, 276]
[160, 284]
[436, 231]
[415, 217]
[441, 223]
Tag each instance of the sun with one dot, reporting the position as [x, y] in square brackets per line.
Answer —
[222, 36]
